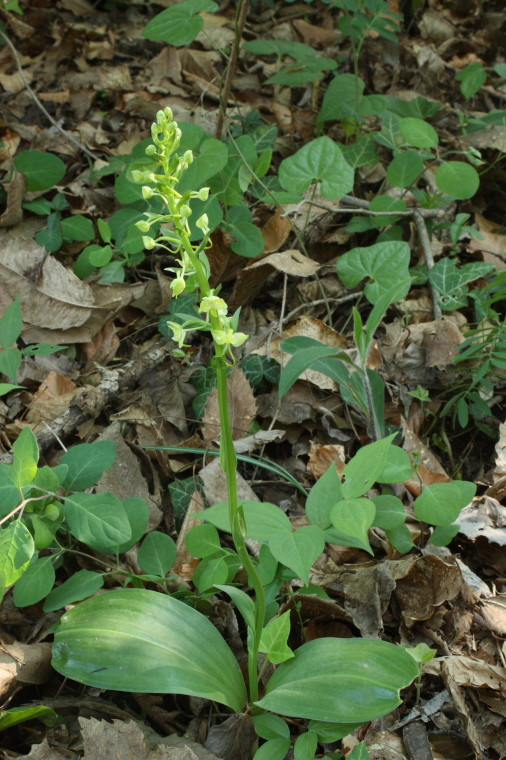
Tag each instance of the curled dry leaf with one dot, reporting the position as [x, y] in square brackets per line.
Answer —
[242, 407]
[322, 456]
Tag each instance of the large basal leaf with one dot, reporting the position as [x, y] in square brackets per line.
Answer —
[138, 640]
[263, 519]
[320, 160]
[340, 680]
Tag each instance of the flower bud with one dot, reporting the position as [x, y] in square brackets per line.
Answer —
[168, 113]
[142, 226]
[150, 150]
[203, 194]
[147, 192]
[138, 176]
[188, 156]
[203, 222]
[185, 210]
[148, 242]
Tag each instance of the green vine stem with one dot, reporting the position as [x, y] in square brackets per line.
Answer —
[193, 275]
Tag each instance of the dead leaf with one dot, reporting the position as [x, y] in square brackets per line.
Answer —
[15, 190]
[250, 279]
[424, 584]
[275, 232]
[24, 664]
[234, 738]
[486, 518]
[492, 246]
[321, 456]
[242, 406]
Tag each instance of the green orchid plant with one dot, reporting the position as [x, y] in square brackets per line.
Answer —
[133, 639]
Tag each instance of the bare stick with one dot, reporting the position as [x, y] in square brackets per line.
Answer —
[429, 259]
[232, 63]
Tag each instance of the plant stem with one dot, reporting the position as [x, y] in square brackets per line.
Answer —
[232, 63]
[238, 524]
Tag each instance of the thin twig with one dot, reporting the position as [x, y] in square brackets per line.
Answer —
[46, 113]
[429, 259]
[363, 208]
[232, 63]
[319, 301]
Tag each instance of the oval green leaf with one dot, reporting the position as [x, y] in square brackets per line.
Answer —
[149, 643]
[441, 503]
[458, 179]
[418, 133]
[41, 169]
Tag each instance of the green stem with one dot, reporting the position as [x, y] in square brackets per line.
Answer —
[238, 525]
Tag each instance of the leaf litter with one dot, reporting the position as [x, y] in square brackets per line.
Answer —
[453, 600]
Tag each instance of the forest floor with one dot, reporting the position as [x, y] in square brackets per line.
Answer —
[80, 81]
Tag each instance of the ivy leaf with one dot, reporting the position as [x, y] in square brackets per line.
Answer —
[441, 503]
[382, 263]
[354, 517]
[298, 549]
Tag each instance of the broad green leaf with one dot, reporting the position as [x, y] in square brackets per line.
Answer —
[354, 517]
[383, 263]
[35, 583]
[299, 51]
[137, 512]
[87, 462]
[179, 24]
[458, 179]
[98, 520]
[45, 526]
[211, 571]
[79, 586]
[363, 470]
[400, 538]
[441, 503]
[471, 78]
[274, 638]
[11, 324]
[78, 228]
[398, 467]
[343, 680]
[41, 349]
[150, 643]
[262, 519]
[322, 161]
[26, 456]
[361, 153]
[15, 715]
[210, 157]
[443, 534]
[310, 70]
[298, 549]
[322, 497]
[342, 97]
[273, 749]
[300, 362]
[42, 170]
[16, 551]
[386, 203]
[405, 168]
[46, 479]
[7, 388]
[390, 511]
[305, 746]
[270, 726]
[359, 752]
[202, 541]
[99, 256]
[418, 133]
[247, 240]
[10, 495]
[157, 553]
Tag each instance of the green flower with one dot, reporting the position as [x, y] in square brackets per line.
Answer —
[227, 337]
[178, 333]
[214, 306]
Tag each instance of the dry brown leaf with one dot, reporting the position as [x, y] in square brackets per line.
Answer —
[492, 246]
[242, 407]
[423, 584]
[322, 456]
[25, 664]
[500, 454]
[52, 297]
[316, 36]
[104, 346]
[275, 232]
[250, 280]
[125, 479]
[493, 612]
[15, 189]
[486, 518]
